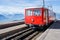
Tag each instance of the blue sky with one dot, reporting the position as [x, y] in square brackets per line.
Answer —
[18, 6]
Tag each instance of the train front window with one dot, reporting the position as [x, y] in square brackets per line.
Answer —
[28, 12]
[37, 12]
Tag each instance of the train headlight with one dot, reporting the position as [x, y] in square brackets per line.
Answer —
[32, 20]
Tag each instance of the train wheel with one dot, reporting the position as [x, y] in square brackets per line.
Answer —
[39, 28]
[33, 27]
[36, 28]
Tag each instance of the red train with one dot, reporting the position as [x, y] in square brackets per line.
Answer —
[38, 17]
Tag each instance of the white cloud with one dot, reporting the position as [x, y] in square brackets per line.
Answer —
[56, 9]
[18, 6]
[11, 9]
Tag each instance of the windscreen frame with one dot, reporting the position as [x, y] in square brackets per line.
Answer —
[27, 13]
[37, 12]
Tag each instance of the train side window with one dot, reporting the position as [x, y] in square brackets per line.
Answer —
[37, 12]
[51, 13]
[28, 12]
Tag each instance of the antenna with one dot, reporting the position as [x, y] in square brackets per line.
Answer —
[43, 3]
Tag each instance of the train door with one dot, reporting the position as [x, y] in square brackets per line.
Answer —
[46, 16]
[28, 16]
[37, 16]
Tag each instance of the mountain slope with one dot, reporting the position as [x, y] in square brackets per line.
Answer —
[2, 17]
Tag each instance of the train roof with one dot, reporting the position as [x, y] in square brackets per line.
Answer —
[37, 8]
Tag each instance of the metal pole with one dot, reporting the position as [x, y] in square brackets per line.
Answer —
[52, 8]
[43, 3]
[55, 16]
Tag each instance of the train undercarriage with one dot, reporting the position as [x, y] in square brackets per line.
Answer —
[39, 27]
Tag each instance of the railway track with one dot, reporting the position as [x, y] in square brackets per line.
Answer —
[16, 34]
[25, 34]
